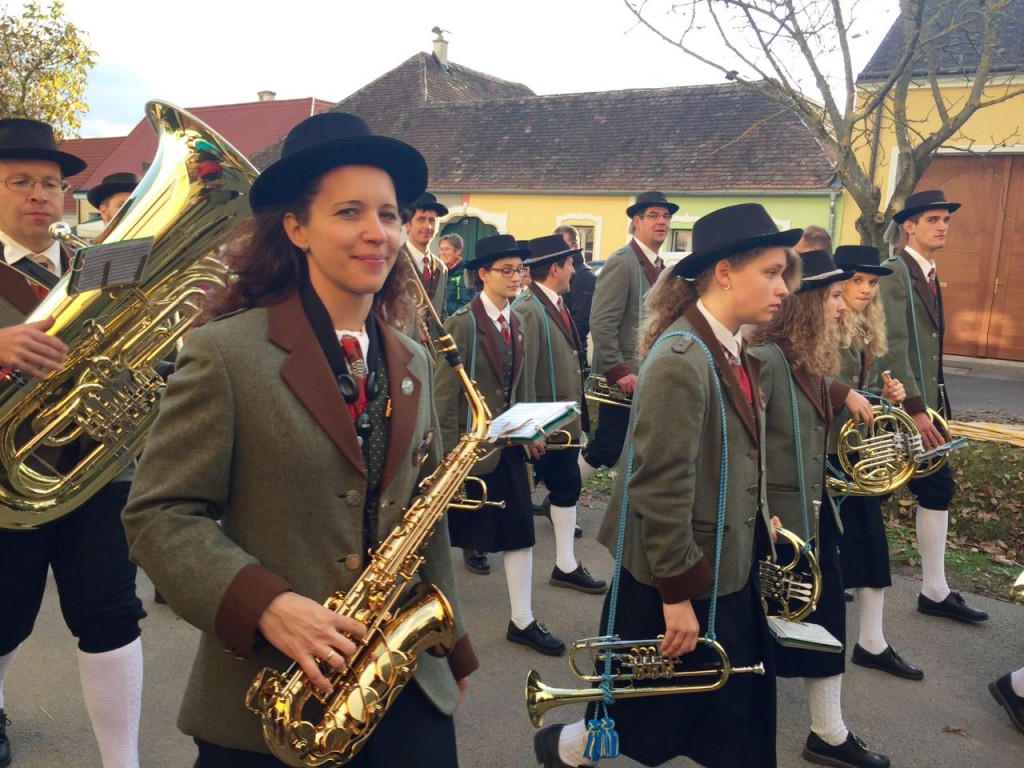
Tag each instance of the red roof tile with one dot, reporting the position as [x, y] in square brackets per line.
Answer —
[94, 152]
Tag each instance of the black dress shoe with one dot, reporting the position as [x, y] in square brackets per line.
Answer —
[953, 607]
[476, 561]
[5, 744]
[1002, 692]
[887, 661]
[852, 753]
[536, 636]
[580, 580]
[545, 747]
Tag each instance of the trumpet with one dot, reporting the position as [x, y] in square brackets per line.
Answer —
[597, 390]
[463, 501]
[633, 660]
[787, 590]
[561, 441]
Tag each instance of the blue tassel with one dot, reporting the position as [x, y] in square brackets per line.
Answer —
[602, 740]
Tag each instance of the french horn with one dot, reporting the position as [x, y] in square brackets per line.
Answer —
[790, 589]
[878, 458]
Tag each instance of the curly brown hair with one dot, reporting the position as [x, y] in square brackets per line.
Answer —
[811, 343]
[672, 295]
[267, 267]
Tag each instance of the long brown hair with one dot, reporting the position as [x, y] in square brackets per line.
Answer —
[811, 343]
[267, 267]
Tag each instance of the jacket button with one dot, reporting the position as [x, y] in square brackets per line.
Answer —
[819, 429]
[352, 562]
[752, 455]
[352, 498]
[935, 335]
[752, 490]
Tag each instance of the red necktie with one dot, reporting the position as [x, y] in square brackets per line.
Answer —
[741, 375]
[426, 269]
[932, 282]
[565, 314]
[506, 334]
[357, 368]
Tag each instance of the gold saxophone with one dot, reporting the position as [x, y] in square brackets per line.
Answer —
[397, 634]
[65, 436]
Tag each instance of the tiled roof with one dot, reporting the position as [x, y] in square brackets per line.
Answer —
[94, 152]
[958, 53]
[248, 127]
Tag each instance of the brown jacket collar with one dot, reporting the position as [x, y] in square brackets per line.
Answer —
[650, 270]
[570, 333]
[308, 375]
[17, 289]
[921, 287]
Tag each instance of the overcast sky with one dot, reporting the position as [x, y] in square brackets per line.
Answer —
[225, 51]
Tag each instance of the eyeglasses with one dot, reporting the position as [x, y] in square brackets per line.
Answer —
[25, 184]
[508, 271]
[657, 216]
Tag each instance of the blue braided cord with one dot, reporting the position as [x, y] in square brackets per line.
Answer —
[798, 444]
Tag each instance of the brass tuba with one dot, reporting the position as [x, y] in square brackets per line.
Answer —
[63, 437]
[878, 458]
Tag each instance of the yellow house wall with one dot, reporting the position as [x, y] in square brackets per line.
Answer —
[999, 126]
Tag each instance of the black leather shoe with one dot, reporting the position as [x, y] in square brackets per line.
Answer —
[580, 580]
[953, 607]
[5, 744]
[545, 747]
[1001, 691]
[852, 753]
[476, 561]
[887, 661]
[536, 636]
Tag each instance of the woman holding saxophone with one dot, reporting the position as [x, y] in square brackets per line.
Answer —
[290, 439]
[696, 403]
[798, 350]
[865, 550]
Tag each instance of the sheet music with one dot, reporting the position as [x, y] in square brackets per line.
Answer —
[800, 635]
[532, 421]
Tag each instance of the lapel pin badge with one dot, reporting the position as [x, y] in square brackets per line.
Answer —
[407, 386]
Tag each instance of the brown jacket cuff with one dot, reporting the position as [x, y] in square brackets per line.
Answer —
[462, 660]
[687, 585]
[914, 405]
[837, 394]
[617, 372]
[247, 596]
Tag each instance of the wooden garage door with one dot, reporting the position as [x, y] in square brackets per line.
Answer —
[982, 265]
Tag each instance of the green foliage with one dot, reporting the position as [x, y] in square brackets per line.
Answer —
[44, 67]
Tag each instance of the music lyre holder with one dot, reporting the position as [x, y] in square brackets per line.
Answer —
[109, 266]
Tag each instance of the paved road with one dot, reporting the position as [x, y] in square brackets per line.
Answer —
[947, 720]
[985, 386]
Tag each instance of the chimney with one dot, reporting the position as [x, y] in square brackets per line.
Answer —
[440, 47]
[266, 95]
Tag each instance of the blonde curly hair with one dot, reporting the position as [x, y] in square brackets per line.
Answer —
[865, 330]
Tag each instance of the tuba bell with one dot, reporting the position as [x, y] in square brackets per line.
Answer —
[63, 437]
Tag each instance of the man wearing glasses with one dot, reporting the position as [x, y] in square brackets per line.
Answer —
[86, 549]
[616, 315]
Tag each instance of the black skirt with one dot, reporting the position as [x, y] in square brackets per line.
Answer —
[830, 613]
[701, 726]
[493, 529]
[864, 552]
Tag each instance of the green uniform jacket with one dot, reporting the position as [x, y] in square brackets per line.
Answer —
[856, 371]
[676, 442]
[914, 328]
[815, 407]
[616, 313]
[476, 337]
[552, 352]
[253, 483]
[437, 288]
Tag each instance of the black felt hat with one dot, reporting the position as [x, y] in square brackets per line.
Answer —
[22, 139]
[860, 258]
[547, 249]
[490, 249]
[111, 185]
[731, 230]
[819, 270]
[427, 202]
[330, 140]
[925, 200]
[647, 200]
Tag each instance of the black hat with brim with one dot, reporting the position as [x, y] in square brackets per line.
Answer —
[22, 139]
[490, 249]
[547, 249]
[818, 270]
[650, 199]
[111, 185]
[329, 140]
[860, 258]
[729, 231]
[919, 202]
[427, 202]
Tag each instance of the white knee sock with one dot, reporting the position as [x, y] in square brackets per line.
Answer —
[112, 686]
[5, 664]
[870, 603]
[519, 576]
[571, 743]
[1017, 681]
[587, 471]
[931, 543]
[824, 694]
[563, 519]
